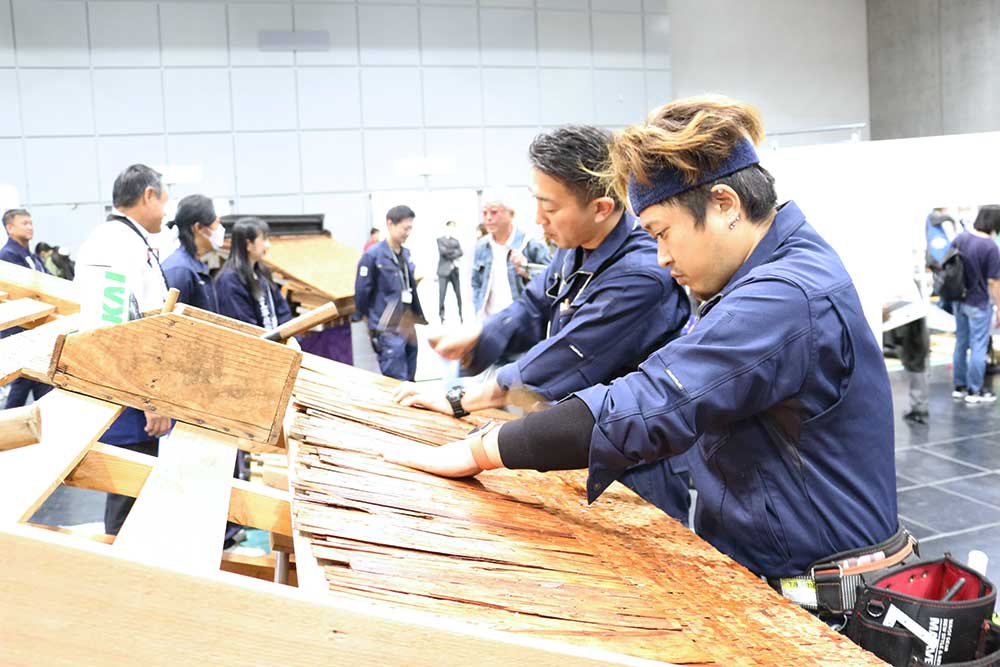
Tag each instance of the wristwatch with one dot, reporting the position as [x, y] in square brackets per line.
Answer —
[454, 397]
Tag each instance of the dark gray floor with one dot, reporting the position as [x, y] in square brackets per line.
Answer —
[948, 477]
[948, 472]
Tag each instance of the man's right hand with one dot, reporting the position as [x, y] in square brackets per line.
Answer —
[156, 425]
[458, 345]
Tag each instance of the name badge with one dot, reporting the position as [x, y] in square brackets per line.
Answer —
[407, 296]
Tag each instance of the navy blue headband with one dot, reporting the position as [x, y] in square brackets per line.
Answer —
[669, 182]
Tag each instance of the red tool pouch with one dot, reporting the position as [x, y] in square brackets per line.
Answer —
[931, 613]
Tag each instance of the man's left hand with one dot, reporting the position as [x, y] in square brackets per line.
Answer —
[451, 460]
[408, 395]
[519, 261]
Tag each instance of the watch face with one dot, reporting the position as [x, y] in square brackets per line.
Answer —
[455, 394]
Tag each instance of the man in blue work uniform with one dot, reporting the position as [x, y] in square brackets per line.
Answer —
[601, 307]
[778, 396]
[20, 230]
[385, 292]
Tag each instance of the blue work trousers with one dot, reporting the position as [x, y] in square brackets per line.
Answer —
[397, 355]
[21, 387]
[972, 335]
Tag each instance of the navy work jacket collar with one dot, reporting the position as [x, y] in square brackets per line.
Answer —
[786, 222]
[599, 256]
[189, 262]
[24, 255]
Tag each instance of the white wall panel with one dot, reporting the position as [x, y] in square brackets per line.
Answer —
[563, 39]
[390, 96]
[329, 97]
[567, 94]
[269, 205]
[331, 161]
[449, 36]
[213, 153]
[51, 34]
[267, 163]
[264, 98]
[10, 110]
[12, 167]
[452, 97]
[507, 36]
[346, 215]
[341, 22]
[56, 102]
[618, 40]
[7, 55]
[245, 24]
[62, 170]
[121, 34]
[457, 156]
[194, 34]
[116, 153]
[621, 96]
[197, 99]
[388, 35]
[506, 158]
[117, 107]
[389, 158]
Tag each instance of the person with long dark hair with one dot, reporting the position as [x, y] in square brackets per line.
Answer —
[244, 286]
[199, 231]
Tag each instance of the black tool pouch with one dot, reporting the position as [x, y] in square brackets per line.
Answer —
[903, 617]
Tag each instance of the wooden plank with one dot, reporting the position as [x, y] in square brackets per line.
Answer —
[20, 311]
[78, 600]
[29, 353]
[214, 318]
[192, 371]
[20, 282]
[4, 296]
[20, 427]
[312, 576]
[116, 470]
[258, 567]
[179, 518]
[70, 424]
[317, 261]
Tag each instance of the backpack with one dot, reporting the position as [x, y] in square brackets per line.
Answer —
[949, 280]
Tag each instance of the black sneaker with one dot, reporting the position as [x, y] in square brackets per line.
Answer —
[980, 396]
[961, 391]
[917, 416]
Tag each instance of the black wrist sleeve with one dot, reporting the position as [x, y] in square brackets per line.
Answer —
[555, 439]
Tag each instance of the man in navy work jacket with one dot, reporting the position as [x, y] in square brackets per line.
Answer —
[601, 307]
[385, 292]
[778, 397]
[20, 230]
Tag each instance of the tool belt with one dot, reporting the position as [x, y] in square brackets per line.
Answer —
[831, 583]
[929, 613]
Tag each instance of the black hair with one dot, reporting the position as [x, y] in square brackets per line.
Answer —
[373, 232]
[988, 219]
[399, 213]
[754, 185]
[132, 183]
[11, 213]
[575, 155]
[192, 210]
[244, 230]
[41, 247]
[63, 263]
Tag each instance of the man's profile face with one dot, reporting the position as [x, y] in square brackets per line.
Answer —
[21, 229]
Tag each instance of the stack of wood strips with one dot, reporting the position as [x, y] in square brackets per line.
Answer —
[315, 269]
[521, 551]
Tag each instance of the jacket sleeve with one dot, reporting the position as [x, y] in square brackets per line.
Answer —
[750, 352]
[235, 300]
[182, 280]
[515, 328]
[456, 248]
[602, 336]
[537, 252]
[364, 286]
[282, 311]
[477, 277]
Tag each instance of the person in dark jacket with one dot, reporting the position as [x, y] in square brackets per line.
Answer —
[244, 286]
[20, 230]
[199, 232]
[778, 396]
[449, 250]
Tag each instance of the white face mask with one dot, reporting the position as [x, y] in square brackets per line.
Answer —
[217, 237]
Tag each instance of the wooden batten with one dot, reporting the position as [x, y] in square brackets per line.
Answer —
[23, 311]
[190, 370]
[116, 470]
[215, 318]
[29, 353]
[20, 282]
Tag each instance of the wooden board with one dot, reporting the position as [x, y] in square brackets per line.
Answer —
[208, 316]
[523, 551]
[80, 605]
[318, 264]
[179, 517]
[194, 371]
[70, 424]
[116, 470]
[21, 311]
[21, 282]
[29, 353]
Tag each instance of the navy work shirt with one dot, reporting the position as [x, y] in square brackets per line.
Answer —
[980, 264]
[191, 277]
[235, 301]
[780, 396]
[379, 287]
[586, 319]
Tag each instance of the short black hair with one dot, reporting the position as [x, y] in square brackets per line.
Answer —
[399, 213]
[754, 185]
[373, 231]
[575, 155]
[988, 219]
[41, 247]
[11, 213]
[132, 183]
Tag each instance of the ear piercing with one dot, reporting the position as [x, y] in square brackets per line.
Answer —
[733, 220]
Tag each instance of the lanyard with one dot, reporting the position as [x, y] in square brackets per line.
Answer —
[151, 255]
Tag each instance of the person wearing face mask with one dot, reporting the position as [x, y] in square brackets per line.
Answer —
[244, 286]
[778, 397]
[199, 231]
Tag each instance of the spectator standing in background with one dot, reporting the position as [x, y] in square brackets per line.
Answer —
[449, 250]
[373, 238]
[244, 286]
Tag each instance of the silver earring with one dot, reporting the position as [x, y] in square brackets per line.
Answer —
[733, 220]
